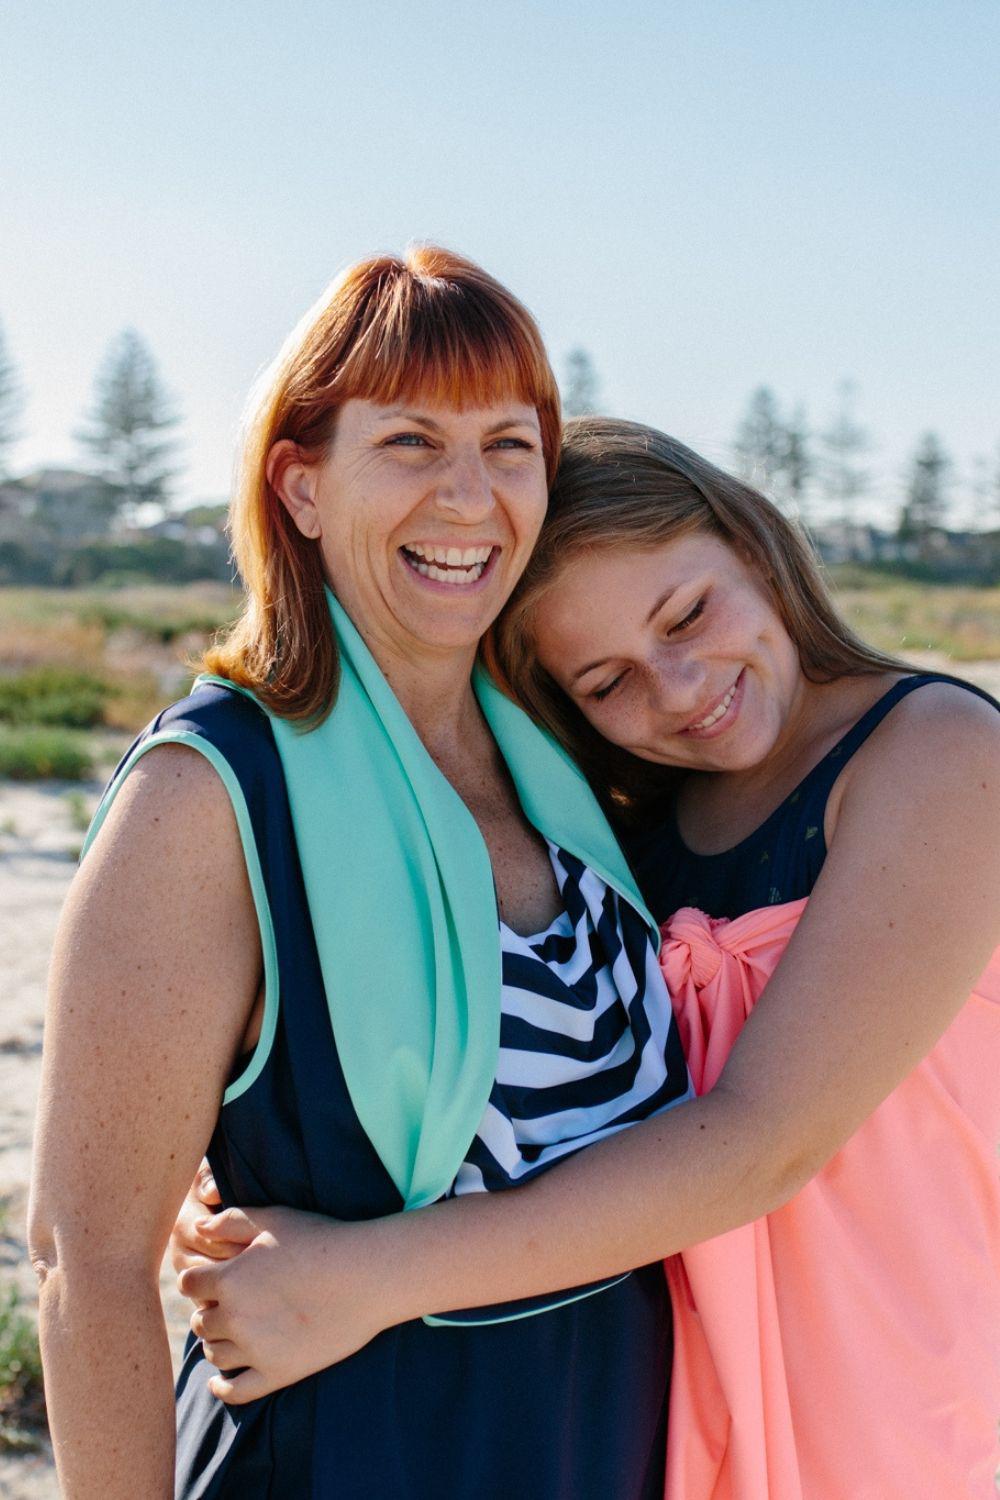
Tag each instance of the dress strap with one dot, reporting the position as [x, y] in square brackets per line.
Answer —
[828, 769]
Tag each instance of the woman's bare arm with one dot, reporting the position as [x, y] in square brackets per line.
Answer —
[901, 924]
[158, 943]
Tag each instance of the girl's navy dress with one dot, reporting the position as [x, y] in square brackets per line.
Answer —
[568, 1404]
[782, 858]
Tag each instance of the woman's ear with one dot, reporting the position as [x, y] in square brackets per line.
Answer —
[294, 482]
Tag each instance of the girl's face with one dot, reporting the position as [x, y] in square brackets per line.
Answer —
[674, 652]
[425, 516]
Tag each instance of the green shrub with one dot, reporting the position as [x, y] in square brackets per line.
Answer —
[53, 694]
[22, 1397]
[34, 754]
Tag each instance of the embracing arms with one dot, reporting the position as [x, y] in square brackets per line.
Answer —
[900, 926]
[158, 942]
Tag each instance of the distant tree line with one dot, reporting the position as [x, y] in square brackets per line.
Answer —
[825, 476]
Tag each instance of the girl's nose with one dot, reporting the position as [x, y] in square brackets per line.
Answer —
[677, 683]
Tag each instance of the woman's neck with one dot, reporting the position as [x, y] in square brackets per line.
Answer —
[434, 689]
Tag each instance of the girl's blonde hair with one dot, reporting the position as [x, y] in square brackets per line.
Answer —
[428, 326]
[621, 484]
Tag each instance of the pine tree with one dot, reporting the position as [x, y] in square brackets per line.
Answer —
[761, 441]
[796, 467]
[580, 397]
[984, 489]
[126, 422]
[926, 503]
[845, 442]
[11, 405]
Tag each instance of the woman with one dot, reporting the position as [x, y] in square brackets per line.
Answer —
[670, 618]
[413, 954]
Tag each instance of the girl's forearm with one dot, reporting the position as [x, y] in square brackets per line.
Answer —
[108, 1383]
[687, 1175]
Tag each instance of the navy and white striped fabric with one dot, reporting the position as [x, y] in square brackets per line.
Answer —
[588, 1043]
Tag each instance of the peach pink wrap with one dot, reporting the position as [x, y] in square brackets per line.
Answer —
[846, 1347]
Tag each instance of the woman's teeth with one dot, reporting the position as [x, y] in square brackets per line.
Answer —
[448, 564]
[717, 712]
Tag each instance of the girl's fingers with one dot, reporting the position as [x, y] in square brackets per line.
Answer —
[199, 1283]
[236, 1390]
[231, 1227]
[208, 1322]
[205, 1189]
[221, 1353]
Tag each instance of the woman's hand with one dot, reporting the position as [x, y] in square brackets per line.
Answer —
[299, 1293]
[188, 1246]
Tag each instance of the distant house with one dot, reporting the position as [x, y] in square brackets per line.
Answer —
[15, 512]
[68, 506]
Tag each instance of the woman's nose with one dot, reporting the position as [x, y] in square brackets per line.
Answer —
[466, 490]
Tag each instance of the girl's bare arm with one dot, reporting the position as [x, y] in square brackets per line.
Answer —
[158, 942]
[901, 924]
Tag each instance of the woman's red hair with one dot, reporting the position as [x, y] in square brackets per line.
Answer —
[430, 326]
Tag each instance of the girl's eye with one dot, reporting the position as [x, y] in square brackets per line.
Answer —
[601, 693]
[688, 619]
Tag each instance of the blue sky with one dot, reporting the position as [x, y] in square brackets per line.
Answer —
[706, 194]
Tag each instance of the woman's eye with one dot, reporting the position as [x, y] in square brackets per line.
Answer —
[688, 619]
[407, 440]
[601, 693]
[512, 442]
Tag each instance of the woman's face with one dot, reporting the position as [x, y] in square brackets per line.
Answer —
[674, 652]
[425, 515]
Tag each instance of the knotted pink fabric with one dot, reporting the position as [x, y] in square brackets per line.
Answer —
[846, 1347]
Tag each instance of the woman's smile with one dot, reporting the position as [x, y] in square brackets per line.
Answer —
[448, 565]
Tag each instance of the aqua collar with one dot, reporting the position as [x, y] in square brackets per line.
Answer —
[403, 906]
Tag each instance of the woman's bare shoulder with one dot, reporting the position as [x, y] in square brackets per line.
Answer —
[173, 804]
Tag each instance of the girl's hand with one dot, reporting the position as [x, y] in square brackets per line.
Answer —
[301, 1293]
[188, 1246]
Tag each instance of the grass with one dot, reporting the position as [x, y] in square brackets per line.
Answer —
[87, 668]
[36, 753]
[900, 616]
[53, 694]
[22, 1396]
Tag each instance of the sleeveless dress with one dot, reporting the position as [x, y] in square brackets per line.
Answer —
[848, 1344]
[569, 1404]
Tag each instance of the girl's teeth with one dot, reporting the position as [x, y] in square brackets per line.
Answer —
[717, 713]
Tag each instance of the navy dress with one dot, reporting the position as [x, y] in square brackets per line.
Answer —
[569, 1404]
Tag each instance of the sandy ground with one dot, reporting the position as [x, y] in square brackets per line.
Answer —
[39, 842]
